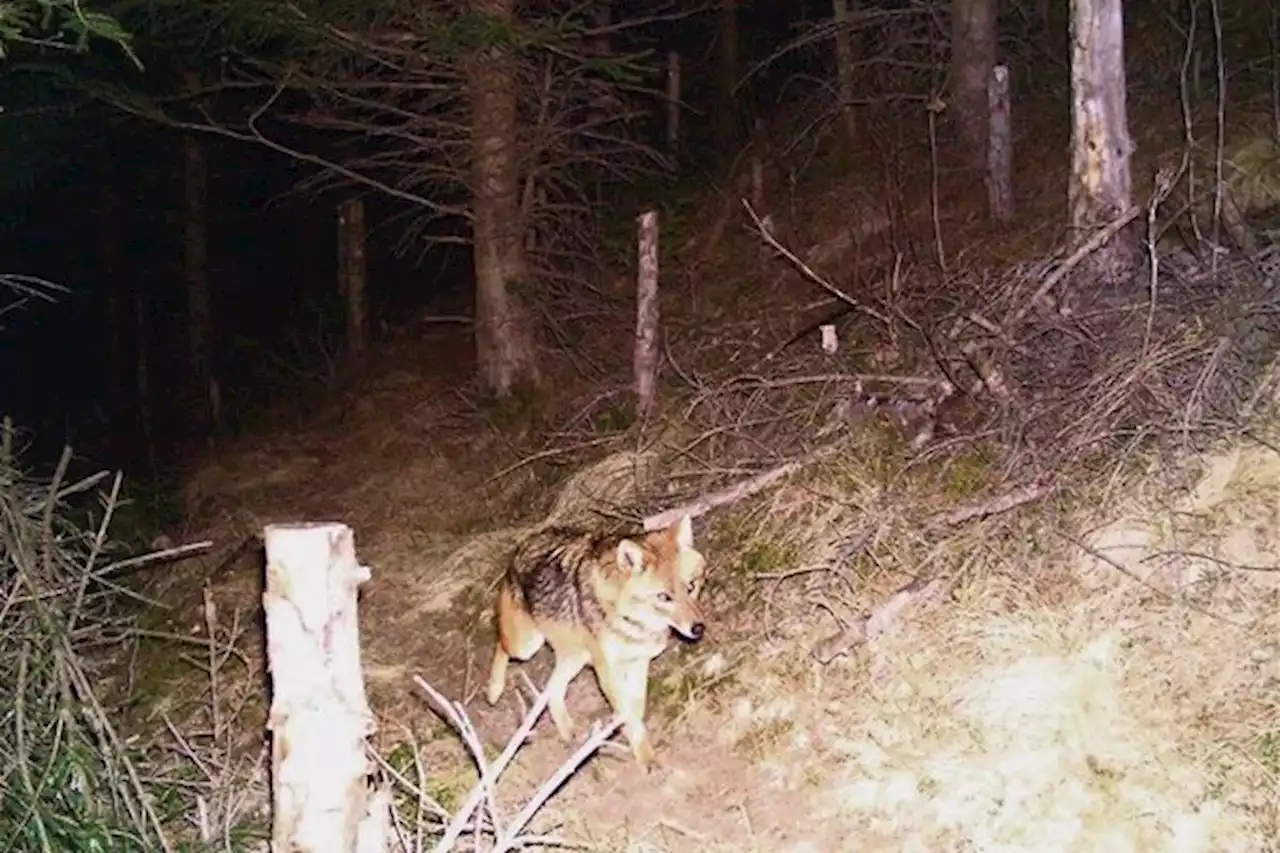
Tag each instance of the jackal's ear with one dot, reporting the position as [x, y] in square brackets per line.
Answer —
[630, 557]
[682, 533]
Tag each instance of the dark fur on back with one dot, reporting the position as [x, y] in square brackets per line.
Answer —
[602, 599]
[554, 572]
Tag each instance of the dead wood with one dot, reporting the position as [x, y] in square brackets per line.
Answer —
[738, 491]
[992, 506]
[881, 619]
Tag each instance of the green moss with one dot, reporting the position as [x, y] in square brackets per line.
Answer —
[967, 475]
[614, 418]
[762, 737]
[1269, 751]
[767, 557]
[669, 694]
[449, 789]
[523, 406]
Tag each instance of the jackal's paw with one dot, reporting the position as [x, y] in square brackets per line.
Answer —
[565, 726]
[645, 756]
[493, 693]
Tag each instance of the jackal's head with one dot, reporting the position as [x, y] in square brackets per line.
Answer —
[664, 576]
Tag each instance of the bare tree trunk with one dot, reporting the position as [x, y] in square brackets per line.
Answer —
[648, 318]
[728, 70]
[1101, 185]
[505, 344]
[844, 65]
[195, 227]
[142, 377]
[973, 54]
[353, 277]
[1000, 147]
[673, 107]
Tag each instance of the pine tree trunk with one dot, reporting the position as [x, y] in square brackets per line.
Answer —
[844, 65]
[195, 227]
[973, 54]
[142, 378]
[728, 71]
[1101, 184]
[353, 277]
[505, 341]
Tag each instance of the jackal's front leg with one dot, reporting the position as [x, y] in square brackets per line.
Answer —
[630, 689]
[566, 670]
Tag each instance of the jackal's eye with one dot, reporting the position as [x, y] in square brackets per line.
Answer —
[693, 587]
[664, 597]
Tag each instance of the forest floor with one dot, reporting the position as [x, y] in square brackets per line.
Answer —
[1089, 656]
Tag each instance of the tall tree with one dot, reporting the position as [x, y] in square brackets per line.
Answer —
[485, 121]
[973, 55]
[505, 347]
[195, 269]
[728, 72]
[844, 64]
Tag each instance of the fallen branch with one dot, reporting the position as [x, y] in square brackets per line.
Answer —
[489, 775]
[994, 506]
[548, 454]
[866, 628]
[509, 838]
[742, 489]
[767, 236]
[1085, 249]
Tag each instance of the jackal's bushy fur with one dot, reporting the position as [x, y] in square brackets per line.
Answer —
[605, 600]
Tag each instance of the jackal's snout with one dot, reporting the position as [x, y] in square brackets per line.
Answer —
[687, 621]
[693, 633]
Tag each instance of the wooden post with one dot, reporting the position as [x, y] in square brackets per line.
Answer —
[353, 276]
[319, 716]
[648, 319]
[673, 106]
[1000, 146]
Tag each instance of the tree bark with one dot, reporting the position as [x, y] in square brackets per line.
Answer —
[973, 54]
[673, 107]
[353, 277]
[1100, 188]
[844, 65]
[648, 353]
[142, 377]
[195, 259]
[1000, 147]
[505, 341]
[728, 71]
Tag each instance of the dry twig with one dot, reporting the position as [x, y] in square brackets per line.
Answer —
[740, 490]
[866, 628]
[511, 836]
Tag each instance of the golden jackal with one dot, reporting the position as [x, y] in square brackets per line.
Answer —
[608, 601]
